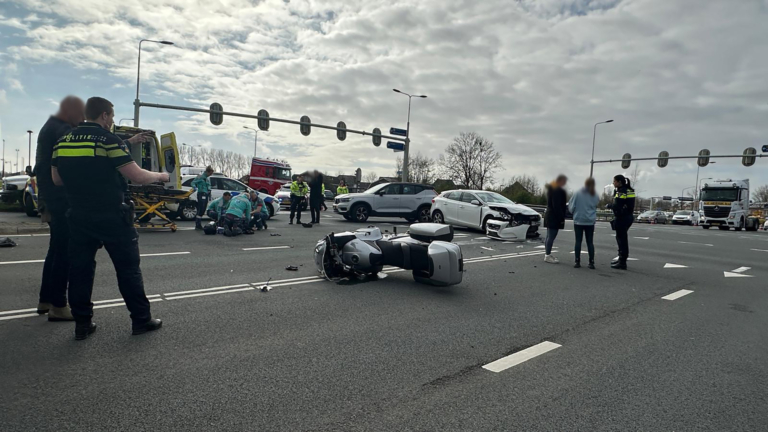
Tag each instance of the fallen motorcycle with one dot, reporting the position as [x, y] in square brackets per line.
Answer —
[426, 250]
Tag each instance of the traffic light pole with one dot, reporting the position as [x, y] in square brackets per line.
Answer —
[271, 119]
[680, 157]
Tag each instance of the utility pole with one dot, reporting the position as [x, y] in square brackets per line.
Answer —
[17, 160]
[3, 157]
[137, 102]
[256, 139]
[407, 134]
[29, 154]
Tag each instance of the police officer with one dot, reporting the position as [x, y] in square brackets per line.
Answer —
[202, 184]
[342, 188]
[623, 210]
[52, 202]
[298, 194]
[90, 162]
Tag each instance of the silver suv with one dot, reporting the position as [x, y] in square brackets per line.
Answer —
[411, 201]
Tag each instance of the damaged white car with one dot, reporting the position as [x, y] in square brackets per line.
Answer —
[494, 214]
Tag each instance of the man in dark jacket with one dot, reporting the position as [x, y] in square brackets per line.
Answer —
[557, 204]
[53, 205]
[623, 211]
[316, 198]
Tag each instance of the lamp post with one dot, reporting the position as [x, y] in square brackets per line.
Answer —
[29, 150]
[3, 157]
[407, 134]
[17, 160]
[136, 103]
[594, 132]
[256, 139]
[697, 183]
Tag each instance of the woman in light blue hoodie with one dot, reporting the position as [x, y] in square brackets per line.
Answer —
[583, 206]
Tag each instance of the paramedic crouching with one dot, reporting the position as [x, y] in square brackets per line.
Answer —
[90, 163]
[260, 212]
[237, 215]
[218, 207]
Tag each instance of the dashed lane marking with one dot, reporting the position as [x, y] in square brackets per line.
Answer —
[266, 247]
[700, 244]
[164, 254]
[669, 265]
[759, 250]
[677, 294]
[642, 238]
[142, 255]
[741, 269]
[515, 359]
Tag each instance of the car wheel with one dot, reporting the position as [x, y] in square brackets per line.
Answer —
[423, 214]
[271, 211]
[705, 226]
[485, 224]
[188, 210]
[437, 217]
[360, 212]
[29, 206]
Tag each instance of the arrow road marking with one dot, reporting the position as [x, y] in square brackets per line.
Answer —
[737, 272]
[741, 269]
[668, 265]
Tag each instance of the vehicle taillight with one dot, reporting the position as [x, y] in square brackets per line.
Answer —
[433, 200]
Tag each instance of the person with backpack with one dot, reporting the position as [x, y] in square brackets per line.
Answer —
[583, 206]
[623, 215]
[557, 203]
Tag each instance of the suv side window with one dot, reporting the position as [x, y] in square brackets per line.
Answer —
[393, 189]
[450, 195]
[216, 183]
[467, 197]
[412, 189]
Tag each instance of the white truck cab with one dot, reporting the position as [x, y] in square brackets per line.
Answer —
[725, 204]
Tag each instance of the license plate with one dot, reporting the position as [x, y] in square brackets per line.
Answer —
[714, 223]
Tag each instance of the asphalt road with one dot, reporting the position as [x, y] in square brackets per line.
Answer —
[395, 355]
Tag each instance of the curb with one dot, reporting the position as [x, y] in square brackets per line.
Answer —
[24, 230]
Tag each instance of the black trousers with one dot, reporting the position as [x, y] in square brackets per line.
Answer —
[622, 238]
[53, 288]
[296, 203]
[87, 237]
[315, 204]
[202, 205]
[587, 231]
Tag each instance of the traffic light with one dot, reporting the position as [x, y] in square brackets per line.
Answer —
[341, 132]
[749, 159]
[663, 161]
[376, 137]
[626, 160]
[216, 117]
[306, 125]
[703, 159]
[263, 120]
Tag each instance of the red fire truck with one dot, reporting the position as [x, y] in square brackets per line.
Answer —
[267, 175]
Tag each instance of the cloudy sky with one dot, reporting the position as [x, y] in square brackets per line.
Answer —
[531, 75]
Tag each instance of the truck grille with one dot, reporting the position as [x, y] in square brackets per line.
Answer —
[717, 211]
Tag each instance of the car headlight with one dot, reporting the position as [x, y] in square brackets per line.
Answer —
[345, 199]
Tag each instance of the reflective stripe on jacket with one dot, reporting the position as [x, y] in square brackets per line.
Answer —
[299, 189]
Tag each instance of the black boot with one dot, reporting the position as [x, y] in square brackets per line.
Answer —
[290, 222]
[578, 263]
[592, 265]
[620, 265]
[198, 223]
[84, 329]
[151, 325]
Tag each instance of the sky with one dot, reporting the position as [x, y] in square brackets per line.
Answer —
[533, 76]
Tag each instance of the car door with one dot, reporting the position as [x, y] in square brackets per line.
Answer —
[448, 204]
[387, 201]
[469, 214]
[234, 187]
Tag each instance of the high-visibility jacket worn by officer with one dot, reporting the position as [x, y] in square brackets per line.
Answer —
[240, 206]
[299, 189]
[624, 202]
[342, 190]
[202, 183]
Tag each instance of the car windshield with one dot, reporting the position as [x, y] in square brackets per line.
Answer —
[683, 213]
[376, 188]
[493, 197]
[282, 173]
[729, 194]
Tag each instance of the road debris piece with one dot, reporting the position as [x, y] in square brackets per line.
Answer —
[7, 242]
[292, 268]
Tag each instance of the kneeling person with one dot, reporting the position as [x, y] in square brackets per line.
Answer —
[260, 213]
[218, 207]
[237, 215]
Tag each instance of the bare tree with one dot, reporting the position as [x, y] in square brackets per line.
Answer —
[470, 160]
[370, 177]
[422, 169]
[760, 194]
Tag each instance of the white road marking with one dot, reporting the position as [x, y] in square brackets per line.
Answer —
[481, 238]
[165, 253]
[40, 235]
[21, 262]
[582, 252]
[486, 248]
[205, 289]
[668, 265]
[19, 311]
[566, 230]
[741, 269]
[731, 274]
[700, 244]
[544, 247]
[520, 357]
[18, 316]
[209, 293]
[628, 259]
[642, 238]
[759, 250]
[267, 247]
[677, 294]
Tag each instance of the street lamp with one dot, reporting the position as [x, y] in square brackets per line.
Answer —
[136, 103]
[29, 154]
[256, 140]
[407, 134]
[594, 132]
[17, 160]
[697, 182]
[3, 157]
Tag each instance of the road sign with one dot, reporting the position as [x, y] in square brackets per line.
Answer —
[685, 198]
[748, 160]
[396, 131]
[663, 161]
[703, 159]
[305, 126]
[396, 146]
[263, 122]
[216, 117]
[626, 160]
[341, 132]
[376, 137]
[666, 198]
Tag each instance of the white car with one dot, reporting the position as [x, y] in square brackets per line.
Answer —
[187, 210]
[475, 209]
[411, 201]
[686, 217]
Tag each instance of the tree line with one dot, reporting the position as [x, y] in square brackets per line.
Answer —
[229, 163]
